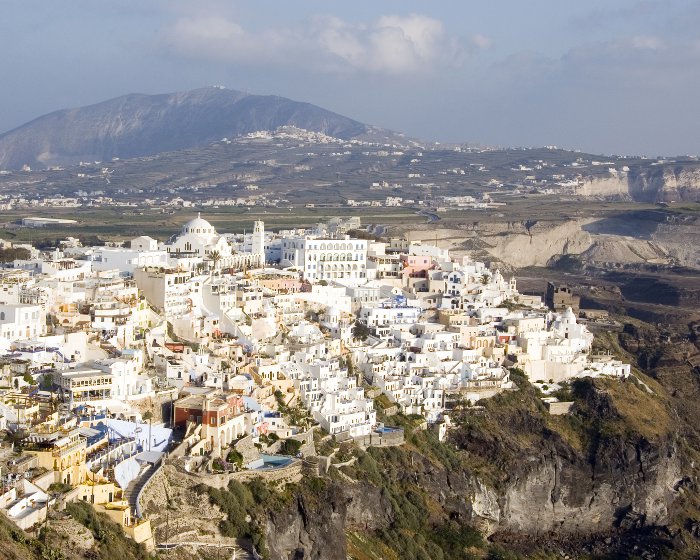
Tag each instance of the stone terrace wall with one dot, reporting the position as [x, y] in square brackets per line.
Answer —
[381, 440]
[289, 473]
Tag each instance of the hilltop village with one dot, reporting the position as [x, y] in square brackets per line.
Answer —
[228, 353]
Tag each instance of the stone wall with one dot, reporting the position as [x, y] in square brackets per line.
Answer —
[151, 474]
[290, 473]
[559, 407]
[376, 439]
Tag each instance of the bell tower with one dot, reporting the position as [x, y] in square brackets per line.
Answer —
[258, 241]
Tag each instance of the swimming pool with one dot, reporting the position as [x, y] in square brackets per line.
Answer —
[269, 462]
[387, 430]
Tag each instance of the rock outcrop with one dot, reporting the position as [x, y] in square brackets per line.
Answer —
[632, 238]
[315, 527]
[540, 485]
[666, 182]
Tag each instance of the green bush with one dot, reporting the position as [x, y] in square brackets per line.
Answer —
[290, 447]
[235, 457]
[113, 543]
[60, 487]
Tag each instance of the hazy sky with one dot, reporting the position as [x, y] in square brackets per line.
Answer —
[611, 76]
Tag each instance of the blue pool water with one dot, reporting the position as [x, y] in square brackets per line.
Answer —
[387, 430]
[273, 462]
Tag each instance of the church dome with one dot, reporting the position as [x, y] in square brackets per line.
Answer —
[569, 316]
[198, 226]
[333, 315]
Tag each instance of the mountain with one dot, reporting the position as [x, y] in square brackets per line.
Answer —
[139, 125]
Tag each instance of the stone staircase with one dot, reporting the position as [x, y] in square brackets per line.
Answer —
[131, 493]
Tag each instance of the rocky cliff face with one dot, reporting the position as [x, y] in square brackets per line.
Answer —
[558, 495]
[532, 483]
[649, 183]
[630, 238]
[631, 482]
[315, 528]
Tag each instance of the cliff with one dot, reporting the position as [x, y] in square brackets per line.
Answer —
[617, 474]
[77, 533]
[666, 182]
[654, 237]
[533, 482]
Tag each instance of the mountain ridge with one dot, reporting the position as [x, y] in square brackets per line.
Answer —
[136, 124]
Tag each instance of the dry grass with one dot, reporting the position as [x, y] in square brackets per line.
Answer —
[367, 547]
[640, 411]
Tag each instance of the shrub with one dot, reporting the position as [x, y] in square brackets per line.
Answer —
[290, 447]
[60, 487]
[235, 457]
[113, 543]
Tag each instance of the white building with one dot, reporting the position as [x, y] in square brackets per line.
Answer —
[127, 260]
[21, 322]
[342, 260]
[199, 240]
[166, 289]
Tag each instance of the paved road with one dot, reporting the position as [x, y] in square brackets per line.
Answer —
[430, 216]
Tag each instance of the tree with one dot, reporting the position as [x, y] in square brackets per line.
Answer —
[360, 330]
[47, 381]
[290, 447]
[235, 457]
[214, 257]
[14, 253]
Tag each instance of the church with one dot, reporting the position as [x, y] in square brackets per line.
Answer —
[199, 242]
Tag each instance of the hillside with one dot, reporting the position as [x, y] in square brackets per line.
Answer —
[77, 532]
[615, 478]
[139, 125]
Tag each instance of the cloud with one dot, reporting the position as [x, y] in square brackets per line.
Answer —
[222, 39]
[391, 44]
[646, 42]
[481, 41]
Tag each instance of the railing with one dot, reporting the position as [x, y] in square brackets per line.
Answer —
[63, 451]
[149, 477]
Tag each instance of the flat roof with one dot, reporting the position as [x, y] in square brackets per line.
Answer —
[84, 373]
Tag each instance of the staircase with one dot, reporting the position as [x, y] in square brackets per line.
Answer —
[131, 493]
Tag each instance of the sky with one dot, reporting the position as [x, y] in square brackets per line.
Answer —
[604, 76]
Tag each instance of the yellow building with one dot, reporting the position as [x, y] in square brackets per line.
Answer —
[97, 492]
[136, 529]
[62, 452]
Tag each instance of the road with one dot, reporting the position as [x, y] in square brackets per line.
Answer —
[431, 217]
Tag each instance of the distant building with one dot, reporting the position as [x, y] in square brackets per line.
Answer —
[43, 222]
[21, 322]
[558, 298]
